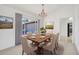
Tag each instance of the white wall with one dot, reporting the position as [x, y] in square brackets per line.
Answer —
[67, 11]
[7, 36]
[76, 26]
[63, 28]
[63, 12]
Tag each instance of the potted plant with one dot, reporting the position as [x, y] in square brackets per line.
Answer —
[42, 30]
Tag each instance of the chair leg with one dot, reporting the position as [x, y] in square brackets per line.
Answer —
[54, 51]
[22, 52]
[56, 46]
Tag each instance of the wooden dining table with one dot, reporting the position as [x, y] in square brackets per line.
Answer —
[39, 50]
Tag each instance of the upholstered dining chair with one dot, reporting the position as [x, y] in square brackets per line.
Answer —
[25, 47]
[29, 34]
[51, 47]
[56, 43]
[38, 35]
[48, 36]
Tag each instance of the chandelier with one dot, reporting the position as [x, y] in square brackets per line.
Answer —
[43, 13]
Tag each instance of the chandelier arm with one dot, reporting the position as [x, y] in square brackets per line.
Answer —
[43, 13]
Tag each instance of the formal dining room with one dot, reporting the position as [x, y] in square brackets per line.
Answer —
[39, 29]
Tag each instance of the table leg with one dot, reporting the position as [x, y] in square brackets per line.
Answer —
[39, 50]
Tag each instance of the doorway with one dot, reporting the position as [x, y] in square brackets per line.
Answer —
[66, 29]
[69, 29]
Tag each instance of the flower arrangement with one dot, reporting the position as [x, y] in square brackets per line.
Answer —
[42, 30]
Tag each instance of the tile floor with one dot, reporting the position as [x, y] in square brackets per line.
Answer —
[69, 49]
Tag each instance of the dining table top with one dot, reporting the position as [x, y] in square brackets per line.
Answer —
[33, 38]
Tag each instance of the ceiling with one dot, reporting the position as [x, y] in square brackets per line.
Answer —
[35, 8]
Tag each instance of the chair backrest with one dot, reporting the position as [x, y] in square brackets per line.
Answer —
[24, 44]
[55, 36]
[48, 35]
[53, 40]
[29, 34]
[52, 35]
[37, 35]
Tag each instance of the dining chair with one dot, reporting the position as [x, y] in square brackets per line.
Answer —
[29, 34]
[51, 47]
[56, 44]
[25, 47]
[48, 36]
[38, 35]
